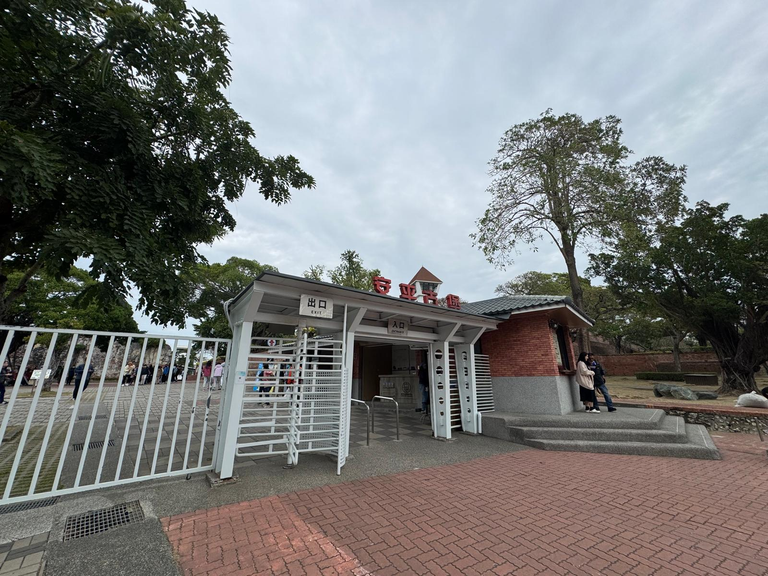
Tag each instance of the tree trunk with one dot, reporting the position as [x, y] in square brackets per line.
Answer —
[676, 354]
[577, 294]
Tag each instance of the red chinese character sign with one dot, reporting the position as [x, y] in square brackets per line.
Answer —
[408, 292]
[381, 284]
[429, 297]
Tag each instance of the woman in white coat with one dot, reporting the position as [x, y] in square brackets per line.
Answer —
[586, 380]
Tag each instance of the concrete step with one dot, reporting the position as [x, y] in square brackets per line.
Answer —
[699, 445]
[671, 430]
[623, 418]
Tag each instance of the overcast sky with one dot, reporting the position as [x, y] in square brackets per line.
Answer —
[395, 107]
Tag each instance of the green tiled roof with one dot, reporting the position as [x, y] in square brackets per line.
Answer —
[507, 304]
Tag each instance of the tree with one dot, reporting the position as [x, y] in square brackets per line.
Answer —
[214, 284]
[117, 144]
[350, 272]
[74, 301]
[566, 179]
[709, 272]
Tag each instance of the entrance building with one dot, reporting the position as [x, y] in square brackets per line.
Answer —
[327, 321]
[342, 344]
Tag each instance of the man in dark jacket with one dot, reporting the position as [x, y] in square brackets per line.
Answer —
[80, 379]
[600, 386]
[6, 375]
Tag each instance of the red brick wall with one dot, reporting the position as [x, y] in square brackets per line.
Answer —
[521, 346]
[357, 358]
[630, 364]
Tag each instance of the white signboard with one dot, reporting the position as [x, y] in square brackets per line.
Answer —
[36, 374]
[317, 306]
[398, 327]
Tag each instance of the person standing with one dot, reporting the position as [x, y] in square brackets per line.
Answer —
[218, 370]
[6, 374]
[207, 375]
[585, 379]
[424, 384]
[600, 386]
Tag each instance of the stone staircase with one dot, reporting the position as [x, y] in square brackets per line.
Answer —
[639, 431]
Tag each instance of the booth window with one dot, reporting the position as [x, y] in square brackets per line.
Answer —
[561, 349]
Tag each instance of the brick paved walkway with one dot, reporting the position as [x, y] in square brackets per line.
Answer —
[519, 513]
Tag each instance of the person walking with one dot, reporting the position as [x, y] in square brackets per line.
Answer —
[585, 379]
[600, 386]
[81, 377]
[218, 370]
[207, 374]
[424, 385]
[6, 375]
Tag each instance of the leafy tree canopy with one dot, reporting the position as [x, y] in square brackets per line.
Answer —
[350, 272]
[117, 144]
[569, 180]
[213, 285]
[708, 272]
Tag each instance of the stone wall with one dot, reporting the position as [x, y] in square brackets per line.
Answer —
[723, 422]
[37, 357]
[630, 364]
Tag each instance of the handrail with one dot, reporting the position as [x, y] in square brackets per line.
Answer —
[367, 421]
[397, 413]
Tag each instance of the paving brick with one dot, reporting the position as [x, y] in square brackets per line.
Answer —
[509, 514]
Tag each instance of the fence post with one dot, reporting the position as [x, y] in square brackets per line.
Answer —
[231, 408]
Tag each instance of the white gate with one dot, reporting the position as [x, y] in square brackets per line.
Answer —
[293, 398]
[90, 409]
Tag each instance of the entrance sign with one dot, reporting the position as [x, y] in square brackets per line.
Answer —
[319, 307]
[398, 327]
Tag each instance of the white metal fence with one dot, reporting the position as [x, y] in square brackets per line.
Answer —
[293, 398]
[95, 409]
[483, 384]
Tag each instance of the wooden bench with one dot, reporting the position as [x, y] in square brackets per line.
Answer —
[705, 379]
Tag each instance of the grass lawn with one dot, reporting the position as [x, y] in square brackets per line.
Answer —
[630, 388]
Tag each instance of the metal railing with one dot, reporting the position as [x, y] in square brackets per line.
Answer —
[397, 413]
[367, 421]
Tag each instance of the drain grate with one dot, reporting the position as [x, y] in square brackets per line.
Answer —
[97, 417]
[98, 521]
[100, 444]
[28, 505]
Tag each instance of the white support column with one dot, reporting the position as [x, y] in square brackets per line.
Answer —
[231, 408]
[465, 374]
[440, 392]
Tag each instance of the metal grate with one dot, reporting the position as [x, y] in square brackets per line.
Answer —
[97, 417]
[98, 521]
[100, 444]
[29, 505]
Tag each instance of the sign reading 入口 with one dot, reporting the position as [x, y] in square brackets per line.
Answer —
[398, 327]
[317, 306]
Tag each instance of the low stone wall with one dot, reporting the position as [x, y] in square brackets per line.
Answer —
[723, 422]
[630, 364]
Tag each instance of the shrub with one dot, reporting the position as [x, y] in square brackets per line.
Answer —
[659, 376]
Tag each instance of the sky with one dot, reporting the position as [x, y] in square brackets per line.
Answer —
[396, 107]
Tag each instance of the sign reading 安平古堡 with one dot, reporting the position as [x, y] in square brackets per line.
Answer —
[382, 285]
[398, 327]
[317, 306]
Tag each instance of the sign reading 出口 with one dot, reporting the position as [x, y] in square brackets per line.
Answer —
[398, 327]
[316, 306]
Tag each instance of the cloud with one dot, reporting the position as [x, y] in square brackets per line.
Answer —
[396, 107]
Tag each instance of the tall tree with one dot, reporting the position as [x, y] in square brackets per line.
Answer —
[213, 285]
[568, 180]
[709, 272]
[350, 272]
[117, 144]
